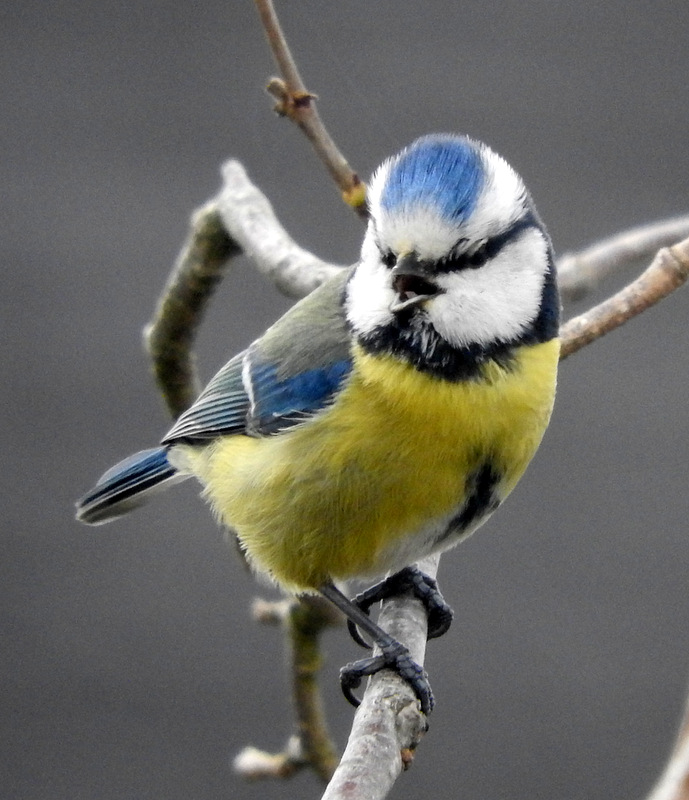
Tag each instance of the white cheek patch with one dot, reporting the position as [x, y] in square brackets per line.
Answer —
[369, 291]
[497, 301]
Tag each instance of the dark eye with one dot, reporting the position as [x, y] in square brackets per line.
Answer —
[478, 258]
[389, 259]
[467, 260]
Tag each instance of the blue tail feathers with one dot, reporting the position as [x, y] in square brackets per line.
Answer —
[126, 486]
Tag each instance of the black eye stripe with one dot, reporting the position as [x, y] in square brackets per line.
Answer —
[490, 248]
[389, 259]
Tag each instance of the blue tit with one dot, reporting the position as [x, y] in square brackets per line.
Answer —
[388, 414]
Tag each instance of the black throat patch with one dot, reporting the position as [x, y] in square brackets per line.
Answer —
[412, 338]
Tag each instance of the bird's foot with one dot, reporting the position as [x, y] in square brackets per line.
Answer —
[409, 579]
[396, 657]
[393, 654]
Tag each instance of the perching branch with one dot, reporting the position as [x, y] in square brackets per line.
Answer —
[388, 725]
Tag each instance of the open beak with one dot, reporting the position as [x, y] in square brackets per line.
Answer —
[413, 282]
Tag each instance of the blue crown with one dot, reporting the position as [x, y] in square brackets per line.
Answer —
[441, 171]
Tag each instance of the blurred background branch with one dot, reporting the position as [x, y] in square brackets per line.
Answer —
[580, 273]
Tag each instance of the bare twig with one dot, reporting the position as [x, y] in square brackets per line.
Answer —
[254, 764]
[669, 271]
[297, 103]
[249, 219]
[580, 272]
[308, 618]
[240, 219]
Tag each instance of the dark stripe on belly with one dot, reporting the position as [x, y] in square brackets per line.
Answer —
[480, 500]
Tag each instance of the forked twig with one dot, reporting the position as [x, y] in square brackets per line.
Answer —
[241, 220]
[303, 619]
[169, 336]
[668, 271]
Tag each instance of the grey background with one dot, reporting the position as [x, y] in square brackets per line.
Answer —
[129, 666]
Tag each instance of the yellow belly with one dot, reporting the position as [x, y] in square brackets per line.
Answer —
[332, 498]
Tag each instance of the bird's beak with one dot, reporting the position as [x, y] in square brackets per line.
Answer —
[413, 282]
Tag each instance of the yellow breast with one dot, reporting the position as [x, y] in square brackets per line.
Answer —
[331, 498]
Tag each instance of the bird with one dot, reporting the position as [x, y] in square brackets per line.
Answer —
[385, 416]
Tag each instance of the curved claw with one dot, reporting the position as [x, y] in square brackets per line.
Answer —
[439, 620]
[363, 601]
[353, 673]
[396, 658]
[351, 698]
[354, 633]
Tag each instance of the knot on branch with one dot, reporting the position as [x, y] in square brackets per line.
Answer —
[354, 195]
[289, 102]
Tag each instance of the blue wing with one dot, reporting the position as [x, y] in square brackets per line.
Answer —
[279, 404]
[293, 371]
